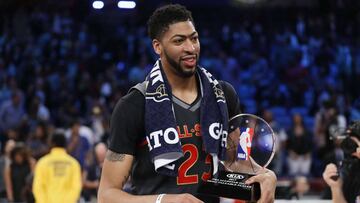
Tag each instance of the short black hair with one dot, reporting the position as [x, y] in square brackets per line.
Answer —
[58, 140]
[164, 16]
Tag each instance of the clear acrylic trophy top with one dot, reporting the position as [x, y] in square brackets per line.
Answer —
[250, 144]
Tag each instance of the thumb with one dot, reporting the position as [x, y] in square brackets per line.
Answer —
[251, 180]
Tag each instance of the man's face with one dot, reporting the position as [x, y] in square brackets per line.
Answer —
[179, 49]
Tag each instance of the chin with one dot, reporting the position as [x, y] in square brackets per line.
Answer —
[188, 73]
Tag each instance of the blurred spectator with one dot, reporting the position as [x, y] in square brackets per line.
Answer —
[57, 177]
[12, 112]
[38, 110]
[92, 171]
[38, 141]
[17, 173]
[97, 123]
[299, 148]
[328, 122]
[5, 161]
[78, 145]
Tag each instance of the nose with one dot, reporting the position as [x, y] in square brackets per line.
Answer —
[189, 46]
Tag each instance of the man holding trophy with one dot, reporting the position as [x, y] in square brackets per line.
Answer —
[178, 134]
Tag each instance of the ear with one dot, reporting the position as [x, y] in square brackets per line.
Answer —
[157, 46]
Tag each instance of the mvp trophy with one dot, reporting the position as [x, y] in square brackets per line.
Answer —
[250, 148]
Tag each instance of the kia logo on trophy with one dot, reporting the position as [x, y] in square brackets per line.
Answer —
[235, 176]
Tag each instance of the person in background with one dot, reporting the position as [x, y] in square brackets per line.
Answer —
[92, 171]
[78, 145]
[12, 114]
[12, 111]
[344, 182]
[57, 177]
[299, 148]
[5, 161]
[38, 141]
[327, 121]
[17, 173]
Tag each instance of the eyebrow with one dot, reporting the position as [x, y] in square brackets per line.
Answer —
[184, 36]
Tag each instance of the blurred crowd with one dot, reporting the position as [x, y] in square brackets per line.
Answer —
[56, 71]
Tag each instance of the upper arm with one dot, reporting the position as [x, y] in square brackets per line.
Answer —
[126, 127]
[7, 174]
[115, 171]
[32, 163]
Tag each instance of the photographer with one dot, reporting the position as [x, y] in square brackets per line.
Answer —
[345, 182]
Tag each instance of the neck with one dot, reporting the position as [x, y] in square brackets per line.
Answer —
[176, 81]
[183, 88]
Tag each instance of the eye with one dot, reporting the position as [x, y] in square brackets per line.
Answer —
[178, 41]
[195, 38]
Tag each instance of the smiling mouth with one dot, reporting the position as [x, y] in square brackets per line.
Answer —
[189, 61]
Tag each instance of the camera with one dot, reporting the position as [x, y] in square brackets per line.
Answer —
[348, 145]
[343, 134]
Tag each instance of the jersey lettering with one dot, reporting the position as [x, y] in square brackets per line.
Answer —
[216, 131]
[170, 136]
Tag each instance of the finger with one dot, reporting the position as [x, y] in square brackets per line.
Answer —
[330, 172]
[333, 174]
[259, 177]
[329, 175]
[252, 180]
[331, 166]
[357, 141]
[357, 153]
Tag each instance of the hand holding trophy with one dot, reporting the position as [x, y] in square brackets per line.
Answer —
[250, 148]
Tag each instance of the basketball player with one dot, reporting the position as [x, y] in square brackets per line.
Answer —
[181, 87]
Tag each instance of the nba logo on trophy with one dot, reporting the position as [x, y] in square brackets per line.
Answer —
[244, 147]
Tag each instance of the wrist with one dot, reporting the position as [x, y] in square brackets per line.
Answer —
[336, 189]
[159, 198]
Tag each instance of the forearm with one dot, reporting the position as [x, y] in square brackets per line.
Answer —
[337, 195]
[91, 184]
[113, 195]
[8, 184]
[9, 194]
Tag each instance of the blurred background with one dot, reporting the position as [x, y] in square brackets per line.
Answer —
[64, 64]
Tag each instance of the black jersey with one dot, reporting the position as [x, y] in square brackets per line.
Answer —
[128, 137]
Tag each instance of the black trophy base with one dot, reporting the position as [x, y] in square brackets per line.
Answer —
[231, 185]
